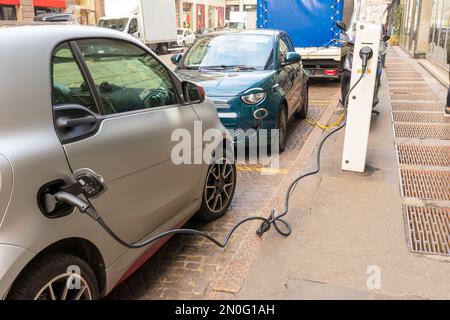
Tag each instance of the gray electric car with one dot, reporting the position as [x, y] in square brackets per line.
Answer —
[79, 99]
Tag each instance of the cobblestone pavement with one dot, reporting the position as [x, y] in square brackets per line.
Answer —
[186, 266]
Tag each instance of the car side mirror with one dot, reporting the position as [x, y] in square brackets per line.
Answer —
[386, 38]
[341, 25]
[176, 58]
[193, 93]
[291, 58]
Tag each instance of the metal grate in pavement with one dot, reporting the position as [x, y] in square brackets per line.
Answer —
[415, 97]
[425, 184]
[404, 79]
[423, 155]
[422, 131]
[428, 229]
[438, 117]
[396, 85]
[416, 106]
[409, 90]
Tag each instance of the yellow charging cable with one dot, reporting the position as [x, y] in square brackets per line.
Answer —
[328, 126]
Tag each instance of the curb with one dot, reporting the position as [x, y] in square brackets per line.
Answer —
[232, 278]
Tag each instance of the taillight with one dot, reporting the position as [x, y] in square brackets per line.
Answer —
[330, 72]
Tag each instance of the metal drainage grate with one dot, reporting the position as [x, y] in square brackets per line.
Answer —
[421, 155]
[425, 184]
[397, 85]
[415, 97]
[428, 229]
[409, 90]
[422, 131]
[420, 117]
[416, 106]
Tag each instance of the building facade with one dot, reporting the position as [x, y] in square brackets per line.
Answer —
[424, 30]
[247, 6]
[200, 14]
[86, 11]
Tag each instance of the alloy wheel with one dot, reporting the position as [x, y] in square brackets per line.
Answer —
[219, 185]
[58, 288]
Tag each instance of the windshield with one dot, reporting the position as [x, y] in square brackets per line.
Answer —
[253, 51]
[180, 32]
[115, 24]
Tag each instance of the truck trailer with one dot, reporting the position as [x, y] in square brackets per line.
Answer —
[312, 27]
[151, 21]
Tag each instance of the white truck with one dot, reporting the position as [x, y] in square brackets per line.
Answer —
[151, 21]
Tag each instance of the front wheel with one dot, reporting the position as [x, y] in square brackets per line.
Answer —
[219, 188]
[56, 277]
[282, 127]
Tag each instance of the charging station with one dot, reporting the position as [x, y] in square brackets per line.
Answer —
[360, 102]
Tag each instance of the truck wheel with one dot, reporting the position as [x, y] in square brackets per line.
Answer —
[48, 279]
[163, 48]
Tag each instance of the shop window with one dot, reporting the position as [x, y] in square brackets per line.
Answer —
[44, 10]
[7, 12]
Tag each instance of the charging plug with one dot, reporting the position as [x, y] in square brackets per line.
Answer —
[366, 53]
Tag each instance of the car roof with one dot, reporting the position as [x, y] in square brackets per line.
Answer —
[266, 32]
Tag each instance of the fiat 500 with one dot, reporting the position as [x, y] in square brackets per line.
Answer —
[255, 78]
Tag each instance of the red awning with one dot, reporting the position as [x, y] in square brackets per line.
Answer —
[49, 3]
[10, 2]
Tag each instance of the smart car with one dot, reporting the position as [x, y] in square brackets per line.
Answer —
[79, 98]
[255, 78]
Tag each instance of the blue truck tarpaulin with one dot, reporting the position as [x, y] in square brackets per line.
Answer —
[310, 23]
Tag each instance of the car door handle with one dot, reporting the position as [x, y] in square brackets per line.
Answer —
[65, 123]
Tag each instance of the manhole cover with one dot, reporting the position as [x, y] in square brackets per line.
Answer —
[438, 117]
[416, 106]
[415, 97]
[428, 229]
[422, 131]
[421, 155]
[425, 184]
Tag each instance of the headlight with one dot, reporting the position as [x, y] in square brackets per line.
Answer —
[254, 98]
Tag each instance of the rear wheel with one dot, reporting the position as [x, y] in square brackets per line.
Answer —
[56, 277]
[282, 129]
[219, 188]
[302, 113]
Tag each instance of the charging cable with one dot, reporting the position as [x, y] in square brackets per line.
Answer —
[275, 220]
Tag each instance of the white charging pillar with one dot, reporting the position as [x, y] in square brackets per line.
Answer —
[361, 99]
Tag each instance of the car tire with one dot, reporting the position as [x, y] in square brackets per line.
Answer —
[302, 113]
[282, 126]
[218, 189]
[50, 274]
[184, 44]
[163, 48]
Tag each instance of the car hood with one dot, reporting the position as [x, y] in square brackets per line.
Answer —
[225, 84]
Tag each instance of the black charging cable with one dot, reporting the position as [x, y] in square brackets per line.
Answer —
[274, 220]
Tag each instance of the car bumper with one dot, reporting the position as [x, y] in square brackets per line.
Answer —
[12, 261]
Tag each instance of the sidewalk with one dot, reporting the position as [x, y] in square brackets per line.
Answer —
[349, 228]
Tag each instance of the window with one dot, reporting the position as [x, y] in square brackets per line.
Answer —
[69, 86]
[133, 28]
[7, 12]
[127, 77]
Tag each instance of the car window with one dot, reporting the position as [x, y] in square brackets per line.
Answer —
[127, 77]
[133, 26]
[69, 85]
[288, 43]
[283, 50]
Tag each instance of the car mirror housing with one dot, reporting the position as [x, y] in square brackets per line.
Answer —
[175, 59]
[386, 38]
[193, 93]
[291, 58]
